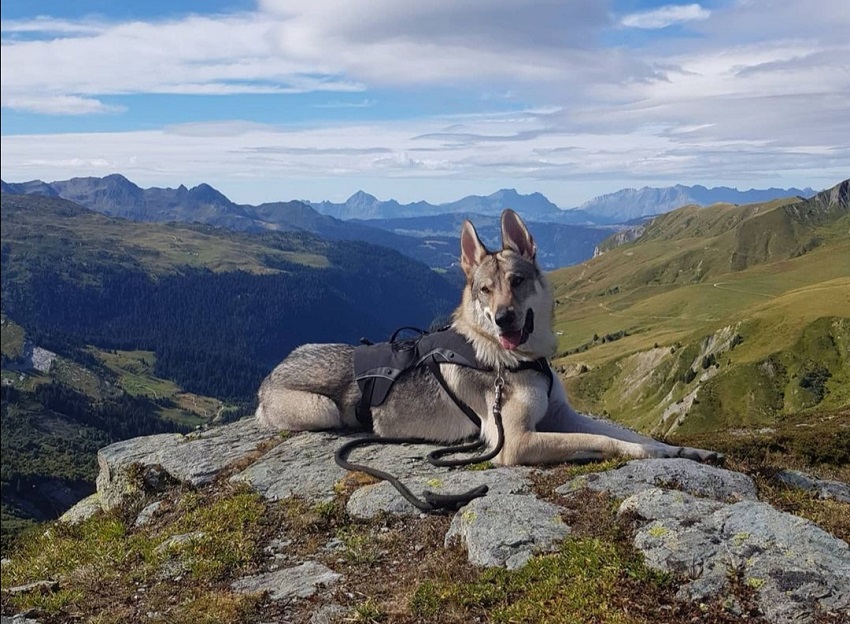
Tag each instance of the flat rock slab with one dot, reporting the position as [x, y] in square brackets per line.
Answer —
[371, 500]
[304, 465]
[794, 567]
[301, 581]
[680, 474]
[195, 458]
[822, 488]
[507, 529]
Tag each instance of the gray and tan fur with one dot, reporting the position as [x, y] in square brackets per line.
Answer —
[314, 387]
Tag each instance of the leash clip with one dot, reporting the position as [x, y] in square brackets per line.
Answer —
[498, 384]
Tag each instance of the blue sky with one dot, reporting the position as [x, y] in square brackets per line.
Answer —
[315, 99]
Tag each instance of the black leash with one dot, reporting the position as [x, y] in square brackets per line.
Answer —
[433, 501]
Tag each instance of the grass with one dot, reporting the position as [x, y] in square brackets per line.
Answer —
[134, 371]
[537, 593]
[110, 571]
[11, 339]
[780, 308]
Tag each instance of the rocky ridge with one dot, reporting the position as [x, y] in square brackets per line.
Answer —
[697, 521]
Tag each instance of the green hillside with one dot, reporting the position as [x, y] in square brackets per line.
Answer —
[113, 329]
[714, 317]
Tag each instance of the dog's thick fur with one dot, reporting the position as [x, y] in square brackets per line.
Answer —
[314, 387]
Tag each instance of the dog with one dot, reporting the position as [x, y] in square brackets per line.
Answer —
[505, 314]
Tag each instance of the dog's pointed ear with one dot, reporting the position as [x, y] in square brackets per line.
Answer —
[472, 250]
[515, 235]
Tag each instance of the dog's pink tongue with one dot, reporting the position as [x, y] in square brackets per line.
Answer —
[510, 340]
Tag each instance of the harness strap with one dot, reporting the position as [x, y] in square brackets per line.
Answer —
[434, 367]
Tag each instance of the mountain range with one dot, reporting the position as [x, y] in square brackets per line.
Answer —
[620, 207]
[433, 241]
[116, 195]
[423, 231]
[628, 204]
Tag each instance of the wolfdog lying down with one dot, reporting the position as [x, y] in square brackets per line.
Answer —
[503, 324]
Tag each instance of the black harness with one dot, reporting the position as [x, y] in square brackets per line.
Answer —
[376, 369]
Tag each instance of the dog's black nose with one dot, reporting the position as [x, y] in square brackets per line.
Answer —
[505, 318]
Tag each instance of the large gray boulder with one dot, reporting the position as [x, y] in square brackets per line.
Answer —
[680, 474]
[507, 529]
[196, 458]
[302, 465]
[794, 567]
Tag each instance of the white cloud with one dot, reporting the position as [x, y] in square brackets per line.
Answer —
[539, 151]
[47, 27]
[665, 16]
[761, 94]
[58, 105]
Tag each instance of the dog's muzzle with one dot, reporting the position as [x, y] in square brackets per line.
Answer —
[514, 338]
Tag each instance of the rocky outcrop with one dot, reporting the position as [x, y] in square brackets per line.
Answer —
[679, 474]
[700, 520]
[793, 566]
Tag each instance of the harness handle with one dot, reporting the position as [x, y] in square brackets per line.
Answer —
[421, 332]
[432, 502]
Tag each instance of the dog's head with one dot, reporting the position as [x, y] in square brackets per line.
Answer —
[507, 304]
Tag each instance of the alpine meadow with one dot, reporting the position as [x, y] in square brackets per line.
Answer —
[717, 319]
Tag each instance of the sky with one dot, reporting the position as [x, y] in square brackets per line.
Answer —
[273, 100]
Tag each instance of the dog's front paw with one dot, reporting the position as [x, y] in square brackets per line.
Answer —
[667, 451]
[701, 455]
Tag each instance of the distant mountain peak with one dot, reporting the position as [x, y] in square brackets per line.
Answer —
[627, 204]
[204, 192]
[116, 178]
[361, 196]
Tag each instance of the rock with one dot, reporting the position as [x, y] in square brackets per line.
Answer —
[17, 619]
[195, 458]
[371, 500]
[822, 488]
[794, 567]
[147, 514]
[680, 474]
[299, 582]
[329, 614]
[83, 510]
[39, 586]
[507, 529]
[302, 465]
[176, 541]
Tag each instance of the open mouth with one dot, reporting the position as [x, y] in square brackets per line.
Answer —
[510, 340]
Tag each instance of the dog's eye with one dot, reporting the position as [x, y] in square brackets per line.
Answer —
[485, 290]
[516, 281]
